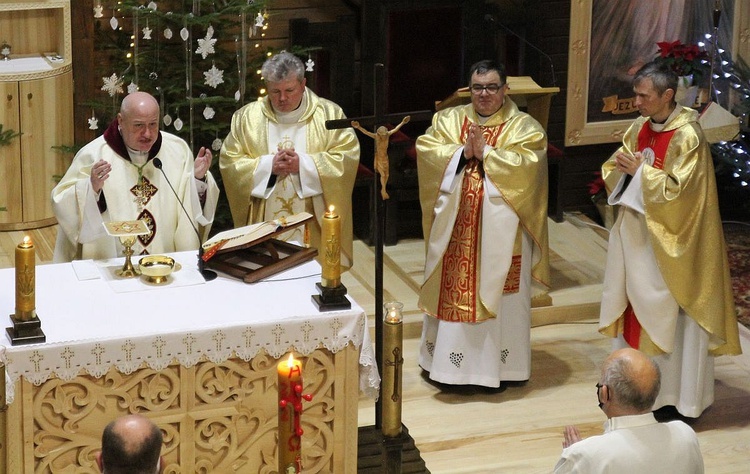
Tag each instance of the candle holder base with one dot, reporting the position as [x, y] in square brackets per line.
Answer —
[25, 332]
[331, 299]
[378, 454]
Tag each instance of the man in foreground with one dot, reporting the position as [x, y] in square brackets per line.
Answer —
[633, 441]
[131, 445]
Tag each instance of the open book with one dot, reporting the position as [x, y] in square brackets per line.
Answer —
[249, 234]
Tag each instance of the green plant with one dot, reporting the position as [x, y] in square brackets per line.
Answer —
[7, 135]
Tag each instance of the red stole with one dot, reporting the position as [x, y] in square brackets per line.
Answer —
[658, 142]
[458, 293]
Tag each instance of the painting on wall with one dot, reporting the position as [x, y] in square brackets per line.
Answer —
[611, 39]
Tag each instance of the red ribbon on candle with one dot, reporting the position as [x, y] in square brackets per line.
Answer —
[290, 414]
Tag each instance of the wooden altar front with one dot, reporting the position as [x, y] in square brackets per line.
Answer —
[197, 358]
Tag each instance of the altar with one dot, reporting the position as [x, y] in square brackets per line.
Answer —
[198, 358]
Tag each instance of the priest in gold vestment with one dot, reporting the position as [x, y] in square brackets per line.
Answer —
[483, 191]
[279, 159]
[667, 289]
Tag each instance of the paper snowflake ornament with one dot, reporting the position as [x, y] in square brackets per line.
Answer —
[184, 34]
[216, 145]
[112, 85]
[132, 87]
[153, 75]
[259, 20]
[168, 33]
[214, 77]
[178, 124]
[152, 6]
[98, 11]
[167, 119]
[208, 112]
[147, 33]
[93, 123]
[206, 45]
[310, 65]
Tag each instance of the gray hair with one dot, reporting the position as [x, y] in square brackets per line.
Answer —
[624, 387]
[662, 77]
[281, 66]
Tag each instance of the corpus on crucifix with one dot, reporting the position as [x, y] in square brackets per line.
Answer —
[382, 137]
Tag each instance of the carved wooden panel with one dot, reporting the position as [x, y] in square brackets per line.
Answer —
[217, 418]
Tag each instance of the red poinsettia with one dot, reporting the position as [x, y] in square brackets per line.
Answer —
[596, 186]
[683, 59]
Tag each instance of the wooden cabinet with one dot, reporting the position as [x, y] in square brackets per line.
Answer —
[36, 99]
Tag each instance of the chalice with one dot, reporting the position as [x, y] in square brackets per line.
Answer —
[127, 231]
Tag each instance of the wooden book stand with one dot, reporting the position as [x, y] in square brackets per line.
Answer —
[262, 257]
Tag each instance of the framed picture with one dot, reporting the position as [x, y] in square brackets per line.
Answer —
[611, 39]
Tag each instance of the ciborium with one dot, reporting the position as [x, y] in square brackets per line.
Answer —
[126, 232]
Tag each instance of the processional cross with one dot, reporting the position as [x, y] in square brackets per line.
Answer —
[377, 121]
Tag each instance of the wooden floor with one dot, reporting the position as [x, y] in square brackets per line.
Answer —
[518, 429]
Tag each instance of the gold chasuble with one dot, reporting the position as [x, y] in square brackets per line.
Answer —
[459, 286]
[684, 230]
[332, 155]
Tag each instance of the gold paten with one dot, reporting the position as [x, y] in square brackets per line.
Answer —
[156, 268]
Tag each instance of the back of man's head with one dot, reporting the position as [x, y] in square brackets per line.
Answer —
[633, 382]
[131, 445]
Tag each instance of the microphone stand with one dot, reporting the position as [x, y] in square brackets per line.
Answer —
[491, 19]
[207, 274]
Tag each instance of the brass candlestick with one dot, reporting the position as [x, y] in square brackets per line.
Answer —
[27, 328]
[393, 361]
[331, 292]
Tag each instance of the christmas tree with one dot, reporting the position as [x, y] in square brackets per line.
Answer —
[199, 59]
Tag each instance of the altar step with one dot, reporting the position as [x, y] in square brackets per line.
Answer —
[373, 453]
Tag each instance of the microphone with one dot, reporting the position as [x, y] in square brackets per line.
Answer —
[491, 19]
[208, 275]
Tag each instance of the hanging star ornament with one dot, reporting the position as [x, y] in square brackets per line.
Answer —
[216, 145]
[206, 45]
[259, 20]
[310, 65]
[214, 77]
[209, 112]
[93, 123]
[112, 85]
[132, 87]
[152, 6]
[147, 33]
[98, 11]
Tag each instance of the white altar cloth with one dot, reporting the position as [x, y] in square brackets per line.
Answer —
[91, 328]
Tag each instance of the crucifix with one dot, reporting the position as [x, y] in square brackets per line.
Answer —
[377, 120]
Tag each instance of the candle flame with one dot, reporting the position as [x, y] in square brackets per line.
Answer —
[27, 240]
[290, 361]
[331, 208]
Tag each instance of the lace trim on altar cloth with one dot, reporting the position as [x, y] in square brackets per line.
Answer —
[39, 363]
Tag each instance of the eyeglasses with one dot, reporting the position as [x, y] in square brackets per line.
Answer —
[598, 388]
[477, 89]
